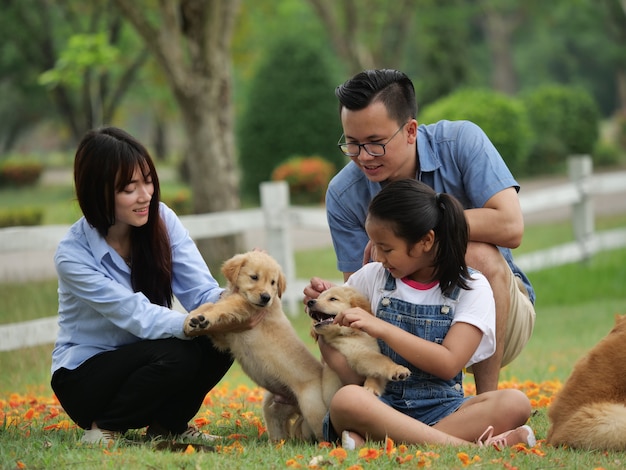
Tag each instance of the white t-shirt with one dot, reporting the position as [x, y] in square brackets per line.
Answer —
[475, 306]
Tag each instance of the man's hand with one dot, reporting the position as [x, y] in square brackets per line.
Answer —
[315, 287]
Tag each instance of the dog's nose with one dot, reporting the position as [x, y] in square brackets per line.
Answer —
[265, 297]
[310, 303]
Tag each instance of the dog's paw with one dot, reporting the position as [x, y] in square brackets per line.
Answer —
[196, 324]
[375, 390]
[375, 385]
[400, 373]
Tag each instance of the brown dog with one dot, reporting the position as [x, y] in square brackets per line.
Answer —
[360, 349]
[589, 412]
[271, 353]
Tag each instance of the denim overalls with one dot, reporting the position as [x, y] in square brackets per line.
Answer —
[422, 396]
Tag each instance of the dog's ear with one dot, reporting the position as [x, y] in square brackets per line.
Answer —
[231, 267]
[359, 300]
[282, 283]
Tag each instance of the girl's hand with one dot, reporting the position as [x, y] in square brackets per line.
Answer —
[361, 320]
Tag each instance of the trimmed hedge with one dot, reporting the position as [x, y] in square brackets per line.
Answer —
[566, 120]
[504, 120]
[26, 216]
[291, 110]
[13, 173]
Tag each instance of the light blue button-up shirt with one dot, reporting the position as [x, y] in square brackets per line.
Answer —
[98, 310]
[455, 157]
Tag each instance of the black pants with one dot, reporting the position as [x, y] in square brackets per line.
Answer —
[161, 382]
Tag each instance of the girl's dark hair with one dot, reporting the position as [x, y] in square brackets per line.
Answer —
[412, 208]
[392, 87]
[105, 161]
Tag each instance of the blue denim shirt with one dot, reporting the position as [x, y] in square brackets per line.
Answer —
[455, 157]
[98, 310]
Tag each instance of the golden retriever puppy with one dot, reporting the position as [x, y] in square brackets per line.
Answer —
[589, 412]
[271, 353]
[360, 349]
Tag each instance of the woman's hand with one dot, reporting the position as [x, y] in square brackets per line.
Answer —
[197, 322]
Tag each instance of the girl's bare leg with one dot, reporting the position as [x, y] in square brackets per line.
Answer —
[502, 409]
[357, 410]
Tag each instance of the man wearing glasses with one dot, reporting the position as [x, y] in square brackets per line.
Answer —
[381, 136]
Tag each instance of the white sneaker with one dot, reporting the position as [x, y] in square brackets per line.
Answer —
[193, 433]
[347, 442]
[103, 437]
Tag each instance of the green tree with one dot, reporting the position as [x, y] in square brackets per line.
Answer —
[67, 39]
[291, 110]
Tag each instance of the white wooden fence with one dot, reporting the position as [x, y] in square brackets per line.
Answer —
[276, 218]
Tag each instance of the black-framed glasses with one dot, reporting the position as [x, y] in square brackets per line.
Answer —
[374, 149]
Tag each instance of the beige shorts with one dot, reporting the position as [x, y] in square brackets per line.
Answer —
[521, 320]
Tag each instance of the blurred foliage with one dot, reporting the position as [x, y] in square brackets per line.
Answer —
[19, 173]
[566, 121]
[504, 120]
[21, 217]
[307, 177]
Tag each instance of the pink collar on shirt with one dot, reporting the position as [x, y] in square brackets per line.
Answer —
[419, 285]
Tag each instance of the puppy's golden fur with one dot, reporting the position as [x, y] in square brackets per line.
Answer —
[589, 412]
[360, 349]
[271, 353]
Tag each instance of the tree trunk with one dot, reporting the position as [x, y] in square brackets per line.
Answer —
[498, 29]
[191, 42]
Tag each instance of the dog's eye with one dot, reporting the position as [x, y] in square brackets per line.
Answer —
[254, 277]
[333, 299]
[273, 282]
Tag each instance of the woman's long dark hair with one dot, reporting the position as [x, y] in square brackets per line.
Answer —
[412, 208]
[105, 161]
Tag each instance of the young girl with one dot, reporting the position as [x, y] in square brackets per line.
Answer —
[434, 315]
[121, 360]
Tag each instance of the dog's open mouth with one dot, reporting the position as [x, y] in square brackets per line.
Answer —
[321, 318]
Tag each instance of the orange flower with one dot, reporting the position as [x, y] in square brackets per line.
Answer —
[201, 422]
[293, 463]
[339, 453]
[464, 458]
[389, 446]
[189, 450]
[368, 453]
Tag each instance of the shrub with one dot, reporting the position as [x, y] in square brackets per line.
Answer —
[503, 119]
[13, 173]
[291, 110]
[565, 114]
[21, 217]
[606, 154]
[307, 177]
